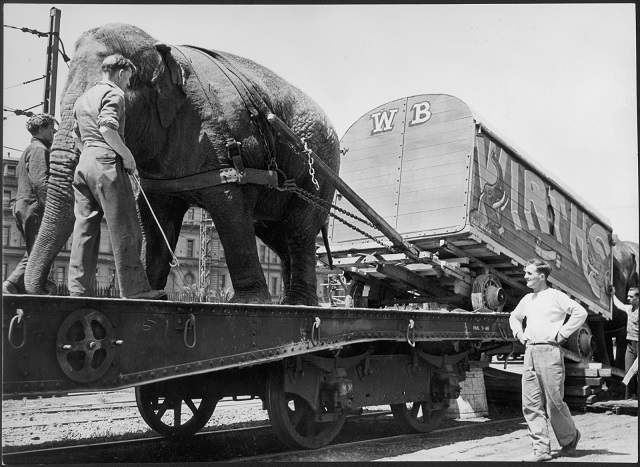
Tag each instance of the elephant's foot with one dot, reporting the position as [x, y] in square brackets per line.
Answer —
[251, 297]
[300, 299]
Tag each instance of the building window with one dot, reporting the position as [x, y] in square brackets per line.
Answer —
[10, 170]
[6, 235]
[6, 198]
[191, 214]
[263, 253]
[61, 275]
[274, 286]
[190, 244]
[5, 271]
[222, 281]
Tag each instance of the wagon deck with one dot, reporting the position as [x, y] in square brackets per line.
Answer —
[474, 207]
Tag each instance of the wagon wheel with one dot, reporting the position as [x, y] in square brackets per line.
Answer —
[582, 342]
[294, 421]
[176, 410]
[418, 417]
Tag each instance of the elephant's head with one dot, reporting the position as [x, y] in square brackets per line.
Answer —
[625, 272]
[155, 96]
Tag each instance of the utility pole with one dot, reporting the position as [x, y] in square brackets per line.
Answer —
[51, 73]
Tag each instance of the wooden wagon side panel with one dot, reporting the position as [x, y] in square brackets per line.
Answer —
[408, 159]
[437, 150]
[516, 207]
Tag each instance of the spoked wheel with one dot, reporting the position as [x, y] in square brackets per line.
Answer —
[295, 422]
[418, 417]
[176, 410]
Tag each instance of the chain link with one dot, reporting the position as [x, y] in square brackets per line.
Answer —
[312, 171]
[327, 206]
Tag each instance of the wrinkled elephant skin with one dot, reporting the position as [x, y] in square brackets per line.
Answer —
[181, 110]
[625, 275]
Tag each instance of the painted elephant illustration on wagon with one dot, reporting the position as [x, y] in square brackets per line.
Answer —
[186, 111]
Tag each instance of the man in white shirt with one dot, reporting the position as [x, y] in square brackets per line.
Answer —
[543, 372]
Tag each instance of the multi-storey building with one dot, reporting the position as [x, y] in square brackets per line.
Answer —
[183, 281]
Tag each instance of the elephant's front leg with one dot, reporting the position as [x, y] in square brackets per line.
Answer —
[232, 213]
[156, 256]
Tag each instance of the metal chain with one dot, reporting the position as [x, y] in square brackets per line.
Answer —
[312, 171]
[322, 205]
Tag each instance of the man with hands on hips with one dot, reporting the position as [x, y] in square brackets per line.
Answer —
[543, 372]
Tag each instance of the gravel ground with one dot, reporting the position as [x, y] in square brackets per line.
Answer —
[60, 421]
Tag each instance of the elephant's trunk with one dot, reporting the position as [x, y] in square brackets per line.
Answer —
[58, 220]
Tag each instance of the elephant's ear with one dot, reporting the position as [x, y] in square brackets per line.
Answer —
[169, 79]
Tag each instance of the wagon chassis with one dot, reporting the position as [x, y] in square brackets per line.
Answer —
[310, 365]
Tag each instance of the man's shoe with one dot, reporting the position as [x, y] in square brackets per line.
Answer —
[538, 457]
[149, 295]
[9, 289]
[570, 449]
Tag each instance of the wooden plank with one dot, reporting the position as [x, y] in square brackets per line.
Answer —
[458, 251]
[577, 390]
[411, 278]
[571, 371]
[581, 381]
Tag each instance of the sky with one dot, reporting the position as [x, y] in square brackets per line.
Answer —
[557, 81]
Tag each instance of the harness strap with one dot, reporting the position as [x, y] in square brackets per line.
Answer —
[208, 179]
[245, 87]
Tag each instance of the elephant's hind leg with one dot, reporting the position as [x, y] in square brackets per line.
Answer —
[302, 284]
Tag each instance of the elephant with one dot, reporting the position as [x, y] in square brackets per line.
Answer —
[186, 111]
[625, 275]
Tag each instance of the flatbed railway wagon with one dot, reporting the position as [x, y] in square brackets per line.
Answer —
[311, 366]
[473, 207]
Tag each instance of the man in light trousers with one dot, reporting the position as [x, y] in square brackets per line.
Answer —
[543, 373]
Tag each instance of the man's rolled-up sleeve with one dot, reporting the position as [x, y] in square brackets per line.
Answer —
[111, 110]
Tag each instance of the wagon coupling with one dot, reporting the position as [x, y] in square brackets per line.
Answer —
[15, 321]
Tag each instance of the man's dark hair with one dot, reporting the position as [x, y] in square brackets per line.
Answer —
[541, 266]
[116, 62]
[40, 121]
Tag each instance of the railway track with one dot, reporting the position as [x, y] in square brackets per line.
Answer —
[243, 444]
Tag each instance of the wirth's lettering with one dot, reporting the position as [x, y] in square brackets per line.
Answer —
[383, 121]
[421, 113]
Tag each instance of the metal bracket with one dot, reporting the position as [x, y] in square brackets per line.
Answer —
[235, 154]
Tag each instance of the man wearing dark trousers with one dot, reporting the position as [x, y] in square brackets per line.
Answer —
[32, 173]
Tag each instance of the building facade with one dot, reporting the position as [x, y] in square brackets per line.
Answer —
[183, 283]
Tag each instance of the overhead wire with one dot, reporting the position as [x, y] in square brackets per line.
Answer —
[26, 82]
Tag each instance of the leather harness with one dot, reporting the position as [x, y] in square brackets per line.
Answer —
[238, 174]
